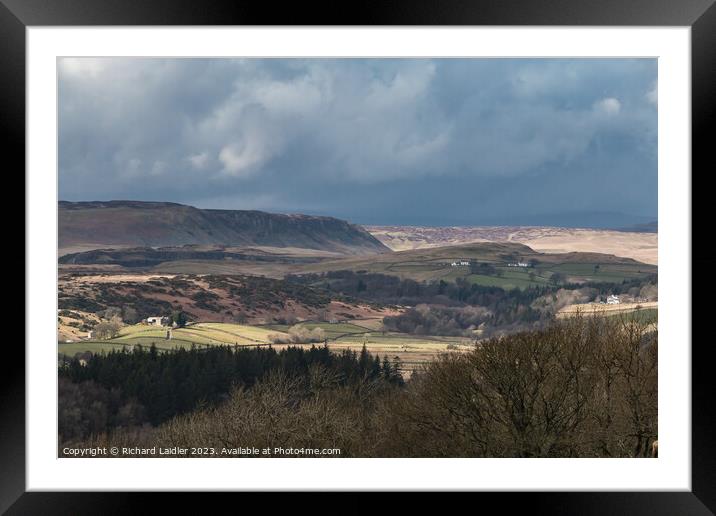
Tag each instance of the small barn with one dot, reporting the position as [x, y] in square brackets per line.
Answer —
[156, 320]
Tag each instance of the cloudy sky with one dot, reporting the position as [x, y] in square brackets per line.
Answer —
[376, 141]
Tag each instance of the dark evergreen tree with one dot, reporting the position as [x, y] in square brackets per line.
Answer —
[168, 383]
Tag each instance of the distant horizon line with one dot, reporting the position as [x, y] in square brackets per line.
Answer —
[653, 220]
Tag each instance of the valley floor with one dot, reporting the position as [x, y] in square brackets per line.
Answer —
[410, 350]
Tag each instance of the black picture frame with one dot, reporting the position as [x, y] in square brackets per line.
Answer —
[700, 15]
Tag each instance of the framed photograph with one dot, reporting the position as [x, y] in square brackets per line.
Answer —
[406, 249]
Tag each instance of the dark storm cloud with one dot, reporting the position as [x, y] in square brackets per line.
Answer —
[443, 141]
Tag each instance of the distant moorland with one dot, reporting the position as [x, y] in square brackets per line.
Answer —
[387, 328]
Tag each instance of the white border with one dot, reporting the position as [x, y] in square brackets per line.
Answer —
[671, 471]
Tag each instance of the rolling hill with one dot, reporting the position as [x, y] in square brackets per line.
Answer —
[205, 298]
[639, 242]
[423, 264]
[444, 263]
[116, 224]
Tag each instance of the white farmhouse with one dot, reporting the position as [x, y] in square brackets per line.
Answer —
[613, 300]
[154, 321]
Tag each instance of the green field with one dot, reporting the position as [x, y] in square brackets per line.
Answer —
[331, 330]
[648, 315]
[230, 333]
[434, 264]
[200, 334]
[410, 349]
[610, 273]
[106, 346]
[71, 348]
[400, 339]
[511, 278]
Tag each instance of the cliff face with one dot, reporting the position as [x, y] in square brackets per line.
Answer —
[135, 223]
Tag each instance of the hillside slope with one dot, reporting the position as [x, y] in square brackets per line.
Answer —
[86, 225]
[639, 244]
[205, 298]
[451, 262]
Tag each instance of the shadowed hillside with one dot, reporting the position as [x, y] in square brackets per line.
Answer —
[83, 225]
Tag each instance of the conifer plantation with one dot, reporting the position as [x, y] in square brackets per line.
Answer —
[581, 387]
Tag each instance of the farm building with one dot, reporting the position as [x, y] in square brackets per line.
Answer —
[518, 264]
[613, 300]
[157, 321]
[463, 263]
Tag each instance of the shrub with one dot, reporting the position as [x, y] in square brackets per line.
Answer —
[107, 329]
[299, 334]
